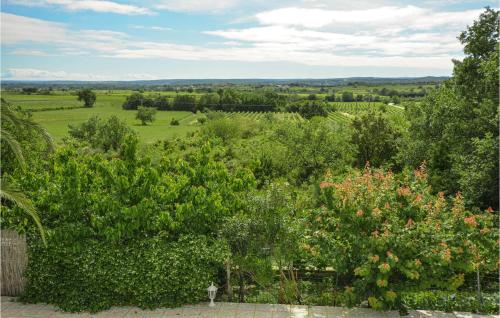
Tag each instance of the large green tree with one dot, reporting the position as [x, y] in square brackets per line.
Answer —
[375, 138]
[455, 129]
[87, 96]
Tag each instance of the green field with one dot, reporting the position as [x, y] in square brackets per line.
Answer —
[107, 104]
[61, 108]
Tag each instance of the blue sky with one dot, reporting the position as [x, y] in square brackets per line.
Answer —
[165, 39]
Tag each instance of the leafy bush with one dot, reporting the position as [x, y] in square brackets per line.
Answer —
[309, 109]
[106, 134]
[124, 231]
[387, 234]
[148, 272]
[174, 122]
[224, 128]
[451, 301]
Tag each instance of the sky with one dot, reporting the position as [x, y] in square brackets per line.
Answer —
[181, 39]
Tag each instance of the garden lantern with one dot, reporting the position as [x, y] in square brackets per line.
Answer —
[212, 291]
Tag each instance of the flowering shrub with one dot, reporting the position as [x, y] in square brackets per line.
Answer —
[386, 233]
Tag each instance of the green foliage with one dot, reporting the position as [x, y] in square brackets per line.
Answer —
[136, 100]
[347, 97]
[148, 272]
[389, 234]
[309, 109]
[174, 122]
[145, 115]
[161, 103]
[448, 127]
[375, 138]
[106, 134]
[209, 101]
[266, 234]
[88, 97]
[184, 102]
[229, 129]
[18, 133]
[313, 147]
[125, 231]
[451, 301]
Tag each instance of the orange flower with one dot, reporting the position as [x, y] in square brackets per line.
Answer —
[403, 191]
[376, 212]
[418, 263]
[381, 283]
[489, 210]
[384, 268]
[375, 233]
[387, 205]
[360, 212]
[418, 198]
[471, 221]
[375, 258]
[446, 255]
[326, 184]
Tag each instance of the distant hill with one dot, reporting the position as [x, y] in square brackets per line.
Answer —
[249, 81]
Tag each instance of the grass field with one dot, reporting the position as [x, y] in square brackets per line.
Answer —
[67, 110]
[107, 104]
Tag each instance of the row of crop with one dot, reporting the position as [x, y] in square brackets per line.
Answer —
[294, 117]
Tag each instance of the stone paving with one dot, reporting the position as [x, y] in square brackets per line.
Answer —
[12, 309]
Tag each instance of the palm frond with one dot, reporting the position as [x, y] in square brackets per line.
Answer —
[14, 145]
[10, 116]
[11, 193]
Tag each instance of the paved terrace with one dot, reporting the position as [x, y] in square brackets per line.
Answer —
[12, 309]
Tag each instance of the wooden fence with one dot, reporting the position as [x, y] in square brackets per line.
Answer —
[14, 258]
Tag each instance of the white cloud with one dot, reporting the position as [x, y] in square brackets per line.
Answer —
[197, 5]
[409, 17]
[39, 74]
[16, 28]
[422, 44]
[155, 28]
[28, 52]
[92, 5]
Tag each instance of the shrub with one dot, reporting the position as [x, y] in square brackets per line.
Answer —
[451, 301]
[106, 134]
[387, 233]
[148, 272]
[125, 231]
[224, 128]
[174, 122]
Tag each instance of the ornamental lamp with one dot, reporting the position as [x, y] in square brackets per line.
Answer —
[212, 291]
